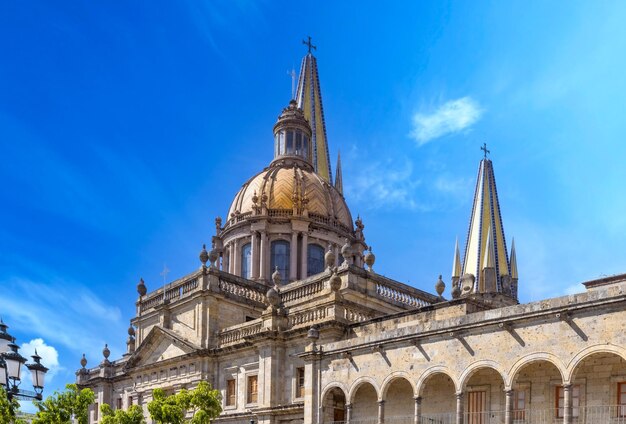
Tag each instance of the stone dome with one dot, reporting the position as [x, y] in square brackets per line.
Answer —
[289, 187]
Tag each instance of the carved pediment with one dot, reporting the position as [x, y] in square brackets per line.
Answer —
[160, 345]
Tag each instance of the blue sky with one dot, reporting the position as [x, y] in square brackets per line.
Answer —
[126, 128]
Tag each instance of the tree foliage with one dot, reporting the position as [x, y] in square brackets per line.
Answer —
[8, 409]
[134, 415]
[62, 406]
[203, 404]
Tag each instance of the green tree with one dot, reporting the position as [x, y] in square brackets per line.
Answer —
[134, 415]
[62, 406]
[203, 403]
[8, 409]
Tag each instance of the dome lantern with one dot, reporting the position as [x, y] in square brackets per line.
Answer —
[292, 134]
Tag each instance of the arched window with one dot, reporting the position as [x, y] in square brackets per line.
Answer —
[280, 258]
[246, 261]
[315, 259]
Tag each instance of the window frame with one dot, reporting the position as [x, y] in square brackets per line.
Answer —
[249, 393]
[299, 382]
[228, 402]
[310, 248]
[621, 405]
[248, 264]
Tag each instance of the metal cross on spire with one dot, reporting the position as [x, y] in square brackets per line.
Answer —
[484, 149]
[308, 43]
[164, 273]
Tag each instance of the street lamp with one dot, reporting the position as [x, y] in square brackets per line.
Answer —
[11, 368]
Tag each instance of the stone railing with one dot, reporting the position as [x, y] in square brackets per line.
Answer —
[331, 222]
[405, 295]
[229, 285]
[172, 292]
[238, 333]
[280, 213]
[249, 293]
[302, 291]
[307, 317]
[356, 315]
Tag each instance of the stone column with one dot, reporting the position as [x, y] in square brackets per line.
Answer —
[305, 256]
[567, 404]
[226, 258]
[263, 251]
[381, 412]
[508, 407]
[293, 258]
[234, 260]
[459, 408]
[348, 412]
[255, 256]
[418, 409]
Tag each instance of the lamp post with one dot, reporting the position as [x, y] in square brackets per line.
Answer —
[11, 368]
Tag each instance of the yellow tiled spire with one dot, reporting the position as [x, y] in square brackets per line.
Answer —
[309, 98]
[486, 242]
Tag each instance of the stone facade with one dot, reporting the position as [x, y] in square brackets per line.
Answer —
[287, 318]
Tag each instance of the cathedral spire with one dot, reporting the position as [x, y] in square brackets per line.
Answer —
[513, 260]
[309, 99]
[338, 175]
[486, 242]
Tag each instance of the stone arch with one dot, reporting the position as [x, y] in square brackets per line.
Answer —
[438, 369]
[483, 384]
[393, 377]
[364, 398]
[358, 383]
[335, 385]
[333, 403]
[437, 387]
[398, 392]
[529, 359]
[588, 351]
[473, 368]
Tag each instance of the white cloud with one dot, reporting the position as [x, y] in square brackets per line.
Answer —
[452, 117]
[49, 357]
[388, 183]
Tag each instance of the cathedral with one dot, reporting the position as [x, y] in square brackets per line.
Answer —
[288, 319]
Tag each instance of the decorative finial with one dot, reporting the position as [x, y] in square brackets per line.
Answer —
[106, 352]
[309, 44]
[329, 257]
[204, 256]
[83, 361]
[313, 333]
[213, 256]
[334, 282]
[141, 288]
[346, 251]
[370, 258]
[440, 286]
[276, 277]
[131, 331]
[484, 149]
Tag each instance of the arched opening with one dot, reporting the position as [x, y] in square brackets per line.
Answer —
[280, 258]
[484, 397]
[334, 406]
[438, 399]
[315, 259]
[599, 388]
[535, 392]
[399, 402]
[246, 261]
[365, 405]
